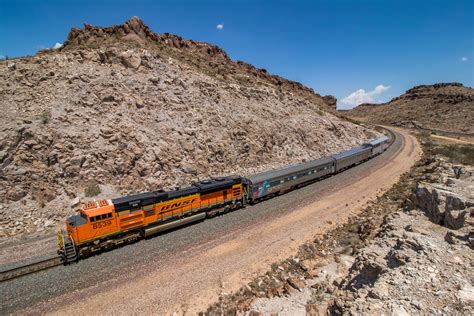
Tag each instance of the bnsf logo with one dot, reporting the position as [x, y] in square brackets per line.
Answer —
[177, 204]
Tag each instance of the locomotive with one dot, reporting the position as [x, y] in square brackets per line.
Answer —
[105, 224]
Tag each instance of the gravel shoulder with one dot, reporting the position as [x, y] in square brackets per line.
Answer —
[198, 263]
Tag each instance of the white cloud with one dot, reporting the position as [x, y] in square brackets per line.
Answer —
[361, 96]
[57, 45]
[220, 26]
[464, 58]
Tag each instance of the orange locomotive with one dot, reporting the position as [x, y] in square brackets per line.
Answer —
[106, 223]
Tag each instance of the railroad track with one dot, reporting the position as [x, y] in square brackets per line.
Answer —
[54, 261]
[391, 134]
[33, 267]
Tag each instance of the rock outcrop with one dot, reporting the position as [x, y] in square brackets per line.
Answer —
[414, 265]
[441, 205]
[441, 106]
[206, 57]
[392, 259]
[331, 101]
[121, 109]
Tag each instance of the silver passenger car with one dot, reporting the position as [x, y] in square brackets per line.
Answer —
[282, 180]
[378, 145]
[352, 156]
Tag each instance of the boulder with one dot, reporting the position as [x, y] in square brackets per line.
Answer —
[331, 101]
[49, 223]
[428, 200]
[131, 60]
[455, 219]
[108, 98]
[442, 207]
[455, 212]
[139, 104]
[455, 203]
[453, 237]
[16, 193]
[296, 283]
[466, 294]
[75, 202]
[316, 309]
[188, 168]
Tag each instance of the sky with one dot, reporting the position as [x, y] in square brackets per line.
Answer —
[359, 51]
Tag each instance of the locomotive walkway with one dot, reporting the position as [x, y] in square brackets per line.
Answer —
[186, 269]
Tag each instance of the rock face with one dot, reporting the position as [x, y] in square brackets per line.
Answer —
[121, 109]
[408, 269]
[133, 29]
[442, 106]
[441, 206]
[414, 265]
[208, 58]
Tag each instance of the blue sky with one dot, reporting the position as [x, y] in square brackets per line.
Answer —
[355, 50]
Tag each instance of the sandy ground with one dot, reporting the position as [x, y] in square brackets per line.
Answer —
[189, 282]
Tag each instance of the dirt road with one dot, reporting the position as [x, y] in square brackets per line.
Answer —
[190, 274]
[465, 140]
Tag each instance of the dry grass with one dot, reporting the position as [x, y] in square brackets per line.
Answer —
[455, 153]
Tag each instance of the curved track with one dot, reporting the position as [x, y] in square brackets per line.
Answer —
[197, 262]
[43, 264]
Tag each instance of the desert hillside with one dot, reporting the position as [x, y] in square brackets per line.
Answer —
[442, 106]
[122, 109]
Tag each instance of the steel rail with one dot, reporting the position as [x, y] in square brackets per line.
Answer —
[29, 268]
[54, 261]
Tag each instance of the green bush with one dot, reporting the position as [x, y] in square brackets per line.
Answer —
[92, 189]
[425, 134]
[462, 154]
[45, 117]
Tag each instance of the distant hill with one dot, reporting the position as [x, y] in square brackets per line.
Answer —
[442, 106]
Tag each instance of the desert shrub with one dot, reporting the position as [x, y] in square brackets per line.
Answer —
[463, 154]
[425, 134]
[45, 117]
[92, 189]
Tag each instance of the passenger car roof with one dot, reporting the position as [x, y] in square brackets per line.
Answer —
[351, 152]
[282, 172]
[377, 141]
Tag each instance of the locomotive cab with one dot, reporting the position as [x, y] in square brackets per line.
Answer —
[95, 220]
[74, 222]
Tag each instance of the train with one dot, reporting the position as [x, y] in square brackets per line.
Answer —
[104, 224]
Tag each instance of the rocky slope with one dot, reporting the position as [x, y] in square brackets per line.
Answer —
[443, 106]
[420, 261]
[409, 252]
[121, 109]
